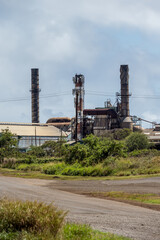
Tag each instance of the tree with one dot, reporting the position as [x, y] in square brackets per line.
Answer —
[120, 134]
[53, 148]
[36, 151]
[8, 144]
[137, 141]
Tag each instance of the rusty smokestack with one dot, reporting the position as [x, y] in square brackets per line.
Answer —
[78, 91]
[124, 76]
[35, 94]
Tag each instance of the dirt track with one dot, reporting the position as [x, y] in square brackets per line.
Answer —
[124, 219]
[146, 185]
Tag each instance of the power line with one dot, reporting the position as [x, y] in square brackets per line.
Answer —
[88, 92]
[28, 98]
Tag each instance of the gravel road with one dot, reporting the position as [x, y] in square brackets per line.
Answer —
[145, 185]
[105, 215]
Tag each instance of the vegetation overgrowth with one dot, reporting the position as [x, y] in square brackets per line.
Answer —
[38, 221]
[121, 153]
[134, 197]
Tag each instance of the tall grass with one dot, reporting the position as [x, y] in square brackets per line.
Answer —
[30, 216]
[38, 221]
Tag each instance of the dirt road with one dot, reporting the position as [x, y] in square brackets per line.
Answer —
[108, 216]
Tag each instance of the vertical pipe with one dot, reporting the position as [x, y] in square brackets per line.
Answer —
[35, 94]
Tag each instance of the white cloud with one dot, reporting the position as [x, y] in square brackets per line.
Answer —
[151, 116]
[143, 14]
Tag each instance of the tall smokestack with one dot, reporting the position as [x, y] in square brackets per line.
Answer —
[78, 91]
[35, 94]
[124, 76]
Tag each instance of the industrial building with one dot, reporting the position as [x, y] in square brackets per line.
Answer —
[62, 123]
[153, 134]
[33, 134]
[97, 121]
[100, 120]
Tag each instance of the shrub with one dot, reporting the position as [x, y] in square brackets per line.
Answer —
[144, 152]
[35, 217]
[53, 148]
[9, 163]
[76, 153]
[37, 151]
[137, 141]
[110, 161]
[91, 141]
[29, 167]
[54, 168]
[120, 134]
[93, 151]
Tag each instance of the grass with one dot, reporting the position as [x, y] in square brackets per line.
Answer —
[39, 175]
[38, 221]
[84, 232]
[135, 197]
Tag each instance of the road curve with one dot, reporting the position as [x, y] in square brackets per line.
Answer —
[105, 215]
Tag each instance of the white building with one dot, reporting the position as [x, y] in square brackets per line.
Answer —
[33, 134]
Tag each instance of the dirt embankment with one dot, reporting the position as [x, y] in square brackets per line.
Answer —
[96, 188]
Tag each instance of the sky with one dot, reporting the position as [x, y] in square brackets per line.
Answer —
[89, 37]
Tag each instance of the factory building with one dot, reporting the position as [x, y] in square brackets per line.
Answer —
[62, 123]
[33, 134]
[153, 134]
[99, 120]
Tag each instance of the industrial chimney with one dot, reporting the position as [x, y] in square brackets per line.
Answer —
[125, 114]
[35, 94]
[78, 91]
[124, 75]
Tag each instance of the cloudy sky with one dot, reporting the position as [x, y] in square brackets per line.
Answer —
[65, 37]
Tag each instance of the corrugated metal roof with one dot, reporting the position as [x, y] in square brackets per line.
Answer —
[99, 111]
[58, 119]
[59, 124]
[32, 130]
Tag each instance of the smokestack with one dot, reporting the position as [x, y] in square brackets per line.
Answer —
[78, 91]
[35, 94]
[124, 76]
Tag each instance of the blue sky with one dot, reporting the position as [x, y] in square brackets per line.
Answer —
[92, 37]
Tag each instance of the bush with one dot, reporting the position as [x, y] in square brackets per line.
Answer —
[137, 141]
[37, 151]
[9, 163]
[8, 144]
[93, 151]
[120, 134]
[54, 169]
[30, 167]
[76, 153]
[144, 152]
[28, 216]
